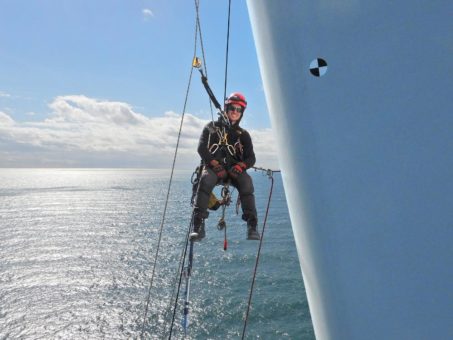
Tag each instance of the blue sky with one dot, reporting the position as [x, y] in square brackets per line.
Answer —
[102, 83]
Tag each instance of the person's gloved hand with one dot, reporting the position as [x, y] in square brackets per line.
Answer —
[218, 169]
[237, 169]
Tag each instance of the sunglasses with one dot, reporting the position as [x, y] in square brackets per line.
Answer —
[235, 109]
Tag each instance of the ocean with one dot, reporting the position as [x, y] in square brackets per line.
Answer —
[77, 247]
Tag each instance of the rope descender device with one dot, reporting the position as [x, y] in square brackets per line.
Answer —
[196, 62]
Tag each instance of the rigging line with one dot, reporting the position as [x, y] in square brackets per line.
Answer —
[181, 268]
[227, 47]
[258, 255]
[267, 171]
[197, 8]
[181, 271]
[176, 289]
[168, 190]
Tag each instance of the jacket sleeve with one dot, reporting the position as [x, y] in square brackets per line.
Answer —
[248, 153]
[203, 146]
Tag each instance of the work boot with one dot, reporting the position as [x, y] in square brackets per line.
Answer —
[198, 226]
[252, 233]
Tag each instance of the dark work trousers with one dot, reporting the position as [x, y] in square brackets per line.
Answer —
[244, 185]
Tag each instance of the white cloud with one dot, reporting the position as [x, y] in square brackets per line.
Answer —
[83, 131]
[5, 119]
[265, 148]
[147, 13]
[4, 94]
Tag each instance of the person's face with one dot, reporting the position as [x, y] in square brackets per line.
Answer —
[234, 112]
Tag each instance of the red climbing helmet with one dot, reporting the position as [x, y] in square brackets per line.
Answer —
[236, 98]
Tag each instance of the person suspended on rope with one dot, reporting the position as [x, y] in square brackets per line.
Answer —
[227, 152]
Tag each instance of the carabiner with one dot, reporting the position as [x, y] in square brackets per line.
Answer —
[213, 148]
[229, 148]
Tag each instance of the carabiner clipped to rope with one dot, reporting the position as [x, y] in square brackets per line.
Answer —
[222, 226]
[226, 200]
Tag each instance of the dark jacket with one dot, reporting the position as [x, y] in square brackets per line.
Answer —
[240, 147]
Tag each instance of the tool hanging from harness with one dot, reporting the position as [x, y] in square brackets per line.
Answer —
[226, 198]
[214, 203]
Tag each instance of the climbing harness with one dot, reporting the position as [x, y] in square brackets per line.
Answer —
[223, 143]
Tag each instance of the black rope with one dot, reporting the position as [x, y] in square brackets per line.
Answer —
[176, 289]
[208, 89]
[181, 271]
[197, 9]
[168, 191]
[269, 173]
[227, 48]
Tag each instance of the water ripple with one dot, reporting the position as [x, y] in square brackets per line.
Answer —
[77, 248]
